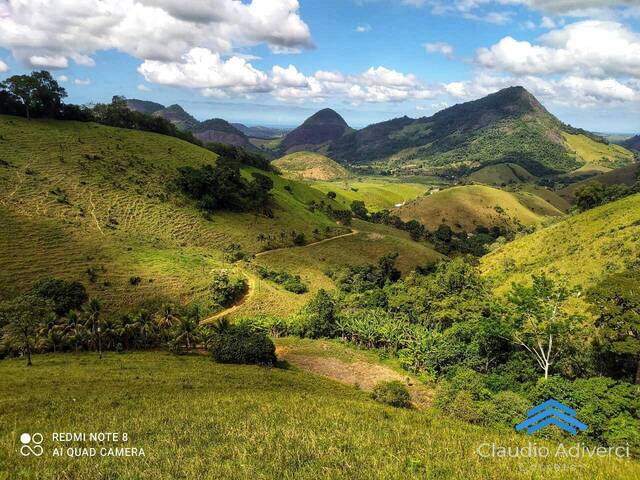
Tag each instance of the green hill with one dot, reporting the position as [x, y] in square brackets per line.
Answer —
[466, 207]
[310, 166]
[583, 248]
[509, 126]
[620, 176]
[597, 154]
[97, 204]
[376, 192]
[501, 174]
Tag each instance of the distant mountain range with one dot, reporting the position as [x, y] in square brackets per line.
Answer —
[509, 126]
[632, 143]
[212, 130]
[263, 133]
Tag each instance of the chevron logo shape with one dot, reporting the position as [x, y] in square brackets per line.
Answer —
[551, 412]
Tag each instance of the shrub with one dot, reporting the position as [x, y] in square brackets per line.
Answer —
[393, 393]
[226, 289]
[507, 408]
[291, 283]
[66, 296]
[241, 345]
[319, 316]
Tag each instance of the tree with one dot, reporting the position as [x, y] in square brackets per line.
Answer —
[332, 195]
[616, 304]
[93, 318]
[321, 315]
[590, 195]
[359, 209]
[22, 318]
[66, 296]
[39, 93]
[542, 324]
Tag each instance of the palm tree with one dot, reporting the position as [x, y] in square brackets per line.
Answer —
[187, 332]
[73, 328]
[145, 327]
[165, 319]
[93, 321]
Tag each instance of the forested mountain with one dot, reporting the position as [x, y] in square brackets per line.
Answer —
[507, 126]
[317, 131]
[212, 130]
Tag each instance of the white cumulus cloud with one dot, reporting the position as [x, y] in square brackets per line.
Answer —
[439, 47]
[50, 33]
[591, 47]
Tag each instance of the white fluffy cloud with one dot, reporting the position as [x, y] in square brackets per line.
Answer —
[439, 47]
[3, 67]
[375, 85]
[202, 68]
[592, 47]
[51, 33]
[569, 91]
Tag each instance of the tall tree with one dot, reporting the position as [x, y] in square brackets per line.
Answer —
[541, 321]
[616, 304]
[22, 318]
[39, 93]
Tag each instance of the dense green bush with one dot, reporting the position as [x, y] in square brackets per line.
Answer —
[241, 345]
[393, 393]
[227, 288]
[291, 283]
[66, 296]
[222, 187]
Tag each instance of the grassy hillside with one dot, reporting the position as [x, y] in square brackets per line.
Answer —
[198, 419]
[620, 176]
[369, 242]
[376, 192]
[501, 174]
[310, 166]
[582, 249]
[587, 150]
[554, 198]
[469, 206]
[92, 203]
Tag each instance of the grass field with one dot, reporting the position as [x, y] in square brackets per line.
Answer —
[312, 262]
[310, 166]
[581, 249]
[79, 197]
[597, 154]
[376, 192]
[468, 206]
[501, 174]
[198, 419]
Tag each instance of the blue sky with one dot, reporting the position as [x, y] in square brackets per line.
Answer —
[276, 62]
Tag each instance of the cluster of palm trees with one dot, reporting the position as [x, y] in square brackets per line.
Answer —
[87, 330]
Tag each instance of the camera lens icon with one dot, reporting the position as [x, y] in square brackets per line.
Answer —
[31, 444]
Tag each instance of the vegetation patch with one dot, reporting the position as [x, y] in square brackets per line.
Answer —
[291, 283]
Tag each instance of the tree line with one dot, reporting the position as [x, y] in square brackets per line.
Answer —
[491, 358]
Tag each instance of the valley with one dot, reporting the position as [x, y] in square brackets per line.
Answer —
[370, 298]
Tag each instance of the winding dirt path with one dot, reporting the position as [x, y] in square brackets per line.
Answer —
[251, 288]
[326, 240]
[251, 284]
